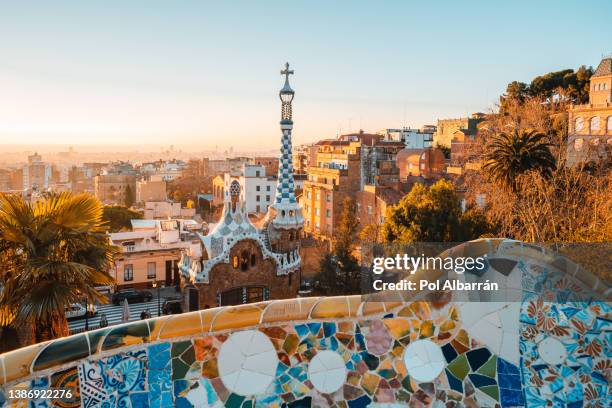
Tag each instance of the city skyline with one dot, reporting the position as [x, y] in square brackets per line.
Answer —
[205, 75]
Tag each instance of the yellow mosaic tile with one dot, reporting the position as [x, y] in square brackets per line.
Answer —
[237, 317]
[285, 310]
[208, 316]
[329, 308]
[17, 363]
[181, 325]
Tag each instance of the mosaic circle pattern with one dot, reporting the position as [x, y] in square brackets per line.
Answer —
[327, 371]
[552, 351]
[424, 360]
[247, 362]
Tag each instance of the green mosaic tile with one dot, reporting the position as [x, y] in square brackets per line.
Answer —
[179, 347]
[492, 391]
[459, 367]
[234, 401]
[489, 368]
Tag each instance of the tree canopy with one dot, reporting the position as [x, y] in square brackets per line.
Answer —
[567, 83]
[118, 217]
[432, 214]
[54, 252]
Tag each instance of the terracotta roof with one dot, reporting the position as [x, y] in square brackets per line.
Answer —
[604, 68]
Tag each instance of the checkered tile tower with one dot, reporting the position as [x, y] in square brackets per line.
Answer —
[288, 213]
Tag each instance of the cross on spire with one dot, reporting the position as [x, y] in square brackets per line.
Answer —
[286, 72]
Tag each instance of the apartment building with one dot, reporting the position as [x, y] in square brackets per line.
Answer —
[151, 252]
[342, 168]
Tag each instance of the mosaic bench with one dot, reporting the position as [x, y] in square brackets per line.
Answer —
[347, 351]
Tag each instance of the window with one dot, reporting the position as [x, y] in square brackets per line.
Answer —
[257, 198]
[267, 188]
[594, 123]
[317, 196]
[235, 262]
[244, 260]
[609, 124]
[151, 270]
[128, 272]
[307, 194]
[255, 294]
[257, 173]
[328, 213]
[267, 198]
[369, 209]
[253, 259]
[257, 188]
[328, 197]
[317, 212]
[578, 124]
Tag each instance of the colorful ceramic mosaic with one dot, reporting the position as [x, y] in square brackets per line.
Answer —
[551, 349]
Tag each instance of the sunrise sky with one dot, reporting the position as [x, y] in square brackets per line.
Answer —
[207, 73]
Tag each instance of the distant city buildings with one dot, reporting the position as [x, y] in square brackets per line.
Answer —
[590, 125]
[37, 174]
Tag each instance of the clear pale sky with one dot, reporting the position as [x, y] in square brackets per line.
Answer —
[207, 73]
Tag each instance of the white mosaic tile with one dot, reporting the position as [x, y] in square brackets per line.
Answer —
[424, 360]
[247, 362]
[327, 371]
[552, 351]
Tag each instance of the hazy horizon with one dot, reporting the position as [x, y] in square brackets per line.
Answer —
[206, 74]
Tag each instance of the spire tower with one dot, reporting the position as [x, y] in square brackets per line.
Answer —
[285, 212]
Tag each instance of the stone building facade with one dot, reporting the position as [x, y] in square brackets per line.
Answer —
[590, 125]
[446, 128]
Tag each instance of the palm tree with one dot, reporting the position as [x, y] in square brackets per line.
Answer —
[56, 252]
[513, 154]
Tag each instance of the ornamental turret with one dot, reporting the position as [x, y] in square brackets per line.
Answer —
[285, 213]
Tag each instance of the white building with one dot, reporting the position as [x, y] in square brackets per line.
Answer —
[258, 189]
[412, 138]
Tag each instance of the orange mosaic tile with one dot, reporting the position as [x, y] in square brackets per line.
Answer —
[237, 317]
[372, 308]
[397, 327]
